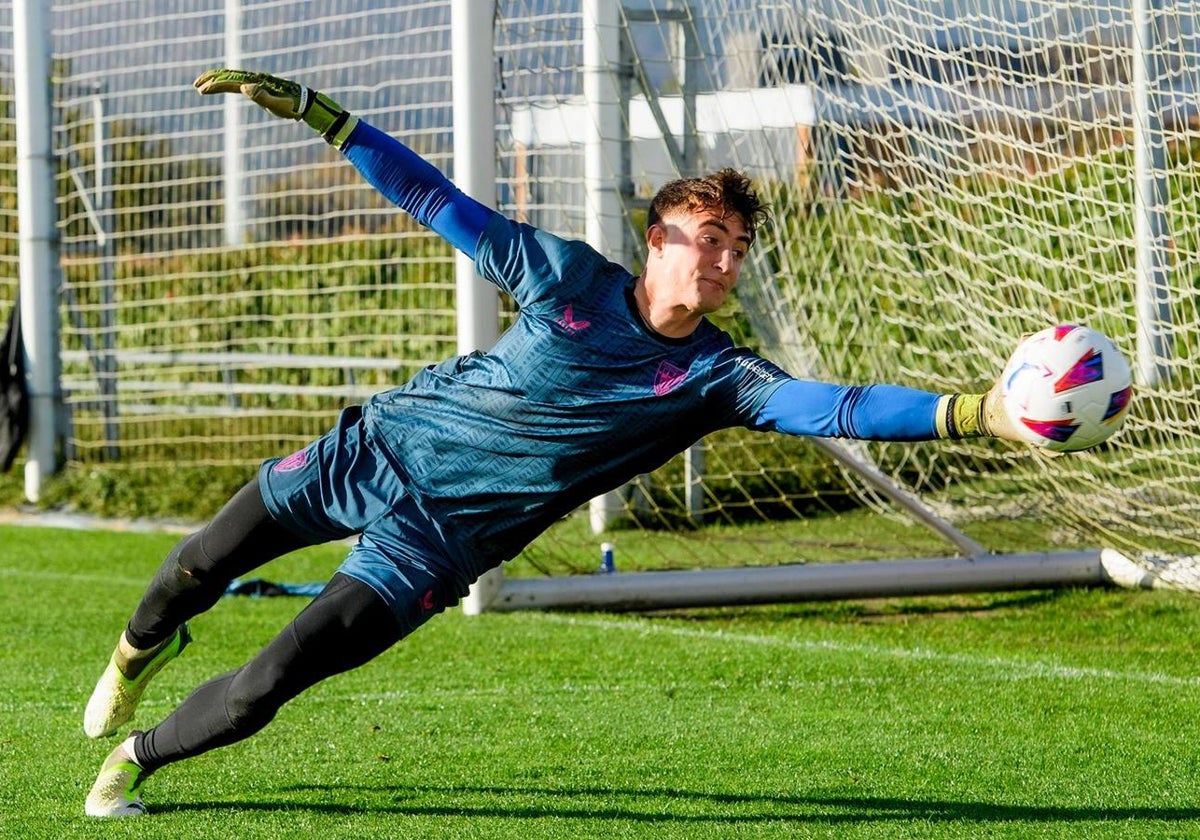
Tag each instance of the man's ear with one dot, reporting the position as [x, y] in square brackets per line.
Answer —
[656, 237]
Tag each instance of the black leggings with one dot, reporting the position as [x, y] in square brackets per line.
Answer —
[345, 626]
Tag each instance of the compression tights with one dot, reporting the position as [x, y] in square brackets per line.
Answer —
[345, 626]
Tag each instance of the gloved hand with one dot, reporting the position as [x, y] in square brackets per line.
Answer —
[976, 415]
[283, 98]
[994, 420]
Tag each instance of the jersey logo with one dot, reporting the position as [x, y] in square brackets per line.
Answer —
[293, 462]
[568, 322]
[758, 367]
[667, 378]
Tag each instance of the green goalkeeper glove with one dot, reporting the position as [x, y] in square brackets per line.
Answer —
[283, 98]
[975, 415]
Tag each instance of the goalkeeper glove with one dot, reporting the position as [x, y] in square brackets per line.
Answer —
[975, 415]
[283, 98]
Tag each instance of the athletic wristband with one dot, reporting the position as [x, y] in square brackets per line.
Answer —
[960, 416]
[326, 117]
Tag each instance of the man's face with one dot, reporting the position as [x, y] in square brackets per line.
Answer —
[695, 258]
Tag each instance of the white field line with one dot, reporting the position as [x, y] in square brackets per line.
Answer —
[1005, 669]
[1015, 668]
[74, 577]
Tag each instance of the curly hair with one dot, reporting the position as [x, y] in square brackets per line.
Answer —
[725, 191]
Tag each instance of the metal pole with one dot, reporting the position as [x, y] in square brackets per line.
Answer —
[235, 199]
[605, 226]
[1152, 235]
[40, 278]
[691, 64]
[687, 43]
[478, 310]
[809, 582]
[478, 307]
[107, 372]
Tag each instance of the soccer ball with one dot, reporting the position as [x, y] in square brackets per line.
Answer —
[1066, 388]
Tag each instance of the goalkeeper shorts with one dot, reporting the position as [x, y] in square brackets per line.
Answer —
[340, 486]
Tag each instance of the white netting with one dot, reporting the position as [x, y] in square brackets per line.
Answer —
[973, 181]
[946, 178]
[178, 346]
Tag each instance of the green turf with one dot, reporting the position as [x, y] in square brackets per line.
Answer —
[1060, 715]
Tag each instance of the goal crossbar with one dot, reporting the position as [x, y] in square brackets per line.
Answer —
[632, 591]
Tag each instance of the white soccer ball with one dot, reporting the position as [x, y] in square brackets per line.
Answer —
[1066, 388]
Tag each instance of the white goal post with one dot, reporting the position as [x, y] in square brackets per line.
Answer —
[810, 582]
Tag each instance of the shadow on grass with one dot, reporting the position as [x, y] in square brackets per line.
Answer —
[645, 805]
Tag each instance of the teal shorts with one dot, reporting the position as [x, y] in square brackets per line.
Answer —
[341, 486]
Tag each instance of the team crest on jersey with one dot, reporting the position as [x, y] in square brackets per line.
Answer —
[568, 322]
[667, 378]
[293, 462]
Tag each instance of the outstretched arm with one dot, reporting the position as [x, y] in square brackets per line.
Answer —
[882, 412]
[413, 184]
[399, 173]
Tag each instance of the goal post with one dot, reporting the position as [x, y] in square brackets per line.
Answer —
[38, 269]
[810, 582]
[477, 302]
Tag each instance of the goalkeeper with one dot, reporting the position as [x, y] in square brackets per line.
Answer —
[603, 376]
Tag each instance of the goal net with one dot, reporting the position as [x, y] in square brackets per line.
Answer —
[945, 178]
[944, 182]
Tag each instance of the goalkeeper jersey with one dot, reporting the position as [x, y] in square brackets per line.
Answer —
[579, 395]
[576, 398]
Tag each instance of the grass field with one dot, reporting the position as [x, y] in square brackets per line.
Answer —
[1069, 714]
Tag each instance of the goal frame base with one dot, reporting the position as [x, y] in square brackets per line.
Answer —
[657, 590]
